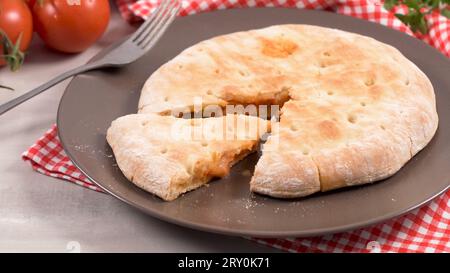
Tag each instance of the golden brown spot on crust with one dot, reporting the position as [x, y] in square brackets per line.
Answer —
[279, 48]
[386, 72]
[369, 82]
[294, 127]
[351, 118]
[375, 92]
[329, 130]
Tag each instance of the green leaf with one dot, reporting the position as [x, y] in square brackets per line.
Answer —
[418, 23]
[404, 18]
[434, 4]
[446, 13]
[422, 25]
[414, 4]
[389, 4]
[415, 20]
[417, 9]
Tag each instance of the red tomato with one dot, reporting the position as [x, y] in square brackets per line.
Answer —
[71, 25]
[15, 20]
[30, 3]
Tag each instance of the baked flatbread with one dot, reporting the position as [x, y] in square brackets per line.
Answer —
[168, 156]
[354, 110]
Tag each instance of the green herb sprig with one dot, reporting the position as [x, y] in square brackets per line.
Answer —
[417, 10]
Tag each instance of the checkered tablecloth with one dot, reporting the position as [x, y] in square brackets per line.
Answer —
[424, 230]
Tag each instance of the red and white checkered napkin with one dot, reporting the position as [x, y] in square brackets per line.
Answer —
[372, 10]
[425, 230]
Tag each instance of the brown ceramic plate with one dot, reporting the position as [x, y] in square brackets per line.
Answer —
[93, 100]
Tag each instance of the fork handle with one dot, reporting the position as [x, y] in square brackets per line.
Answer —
[28, 95]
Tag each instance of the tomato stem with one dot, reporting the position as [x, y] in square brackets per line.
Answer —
[11, 52]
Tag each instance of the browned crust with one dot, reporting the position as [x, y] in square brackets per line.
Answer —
[358, 110]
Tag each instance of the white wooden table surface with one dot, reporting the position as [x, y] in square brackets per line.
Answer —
[39, 213]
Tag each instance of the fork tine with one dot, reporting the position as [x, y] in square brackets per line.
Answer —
[163, 13]
[143, 28]
[161, 26]
[148, 44]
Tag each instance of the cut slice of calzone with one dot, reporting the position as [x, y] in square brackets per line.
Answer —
[168, 156]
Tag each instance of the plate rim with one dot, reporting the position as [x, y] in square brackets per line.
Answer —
[232, 231]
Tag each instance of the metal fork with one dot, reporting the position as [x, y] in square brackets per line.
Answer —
[127, 52]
